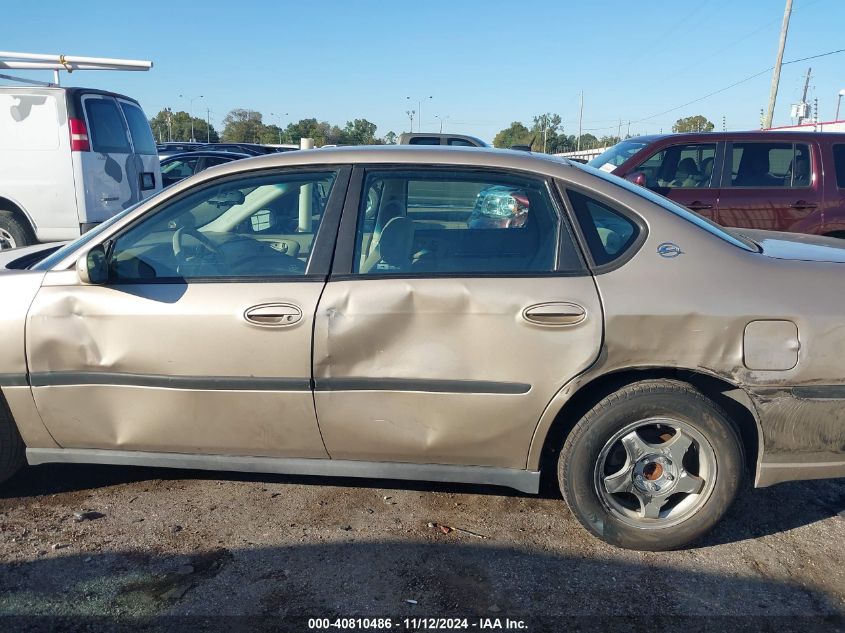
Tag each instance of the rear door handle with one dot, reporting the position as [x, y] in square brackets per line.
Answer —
[557, 313]
[274, 314]
[699, 206]
[803, 204]
[105, 198]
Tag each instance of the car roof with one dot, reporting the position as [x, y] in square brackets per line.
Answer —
[207, 153]
[746, 135]
[401, 154]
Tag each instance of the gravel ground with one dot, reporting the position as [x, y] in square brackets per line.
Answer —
[174, 543]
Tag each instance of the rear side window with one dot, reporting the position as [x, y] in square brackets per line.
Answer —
[608, 233]
[105, 127]
[139, 127]
[839, 165]
[448, 222]
[424, 140]
[770, 165]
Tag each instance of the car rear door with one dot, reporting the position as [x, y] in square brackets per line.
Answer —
[142, 168]
[200, 341]
[106, 168]
[771, 184]
[458, 305]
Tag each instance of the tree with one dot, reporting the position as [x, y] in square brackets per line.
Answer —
[176, 126]
[697, 123]
[271, 135]
[515, 134]
[547, 126]
[359, 132]
[389, 138]
[242, 126]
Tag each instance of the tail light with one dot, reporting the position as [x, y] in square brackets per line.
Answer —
[78, 136]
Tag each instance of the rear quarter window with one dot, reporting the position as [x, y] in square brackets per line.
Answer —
[105, 127]
[139, 127]
[839, 164]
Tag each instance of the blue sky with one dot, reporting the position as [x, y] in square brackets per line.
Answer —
[484, 63]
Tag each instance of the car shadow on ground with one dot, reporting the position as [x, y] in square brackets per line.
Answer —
[282, 587]
[756, 512]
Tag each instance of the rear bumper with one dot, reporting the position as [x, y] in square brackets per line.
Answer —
[775, 472]
[803, 430]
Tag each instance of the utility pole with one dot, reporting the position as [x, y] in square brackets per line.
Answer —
[208, 125]
[773, 94]
[724, 124]
[545, 130]
[804, 104]
[580, 120]
[619, 131]
[629, 129]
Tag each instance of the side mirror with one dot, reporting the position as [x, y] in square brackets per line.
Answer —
[93, 266]
[636, 177]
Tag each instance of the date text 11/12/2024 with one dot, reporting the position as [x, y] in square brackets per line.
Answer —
[417, 624]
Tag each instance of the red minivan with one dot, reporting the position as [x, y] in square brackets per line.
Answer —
[778, 181]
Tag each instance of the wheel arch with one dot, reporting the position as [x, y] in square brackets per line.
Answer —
[8, 204]
[577, 397]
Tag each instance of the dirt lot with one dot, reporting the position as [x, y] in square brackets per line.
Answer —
[162, 542]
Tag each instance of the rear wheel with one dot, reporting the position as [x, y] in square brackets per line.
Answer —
[11, 445]
[653, 466]
[13, 232]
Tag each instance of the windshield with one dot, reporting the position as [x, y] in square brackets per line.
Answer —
[618, 154]
[718, 230]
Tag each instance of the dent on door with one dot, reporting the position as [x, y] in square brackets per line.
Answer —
[176, 367]
[449, 371]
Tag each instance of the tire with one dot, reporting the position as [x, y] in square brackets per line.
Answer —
[13, 232]
[646, 491]
[12, 456]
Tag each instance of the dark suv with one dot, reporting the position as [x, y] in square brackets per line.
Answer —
[780, 181]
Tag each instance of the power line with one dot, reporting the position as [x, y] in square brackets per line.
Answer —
[733, 85]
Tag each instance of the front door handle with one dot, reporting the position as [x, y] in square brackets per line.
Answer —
[105, 198]
[803, 204]
[274, 314]
[699, 206]
[557, 313]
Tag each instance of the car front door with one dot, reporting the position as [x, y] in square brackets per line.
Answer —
[200, 340]
[770, 185]
[686, 174]
[457, 307]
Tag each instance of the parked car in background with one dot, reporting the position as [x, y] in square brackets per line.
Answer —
[458, 140]
[253, 149]
[170, 148]
[784, 181]
[69, 159]
[468, 315]
[179, 166]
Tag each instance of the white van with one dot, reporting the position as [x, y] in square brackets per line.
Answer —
[69, 159]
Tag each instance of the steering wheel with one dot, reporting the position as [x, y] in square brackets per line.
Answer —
[178, 246]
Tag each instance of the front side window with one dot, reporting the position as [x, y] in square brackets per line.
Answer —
[431, 222]
[179, 168]
[608, 233]
[770, 165]
[139, 127]
[460, 142]
[261, 226]
[680, 167]
[105, 127]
